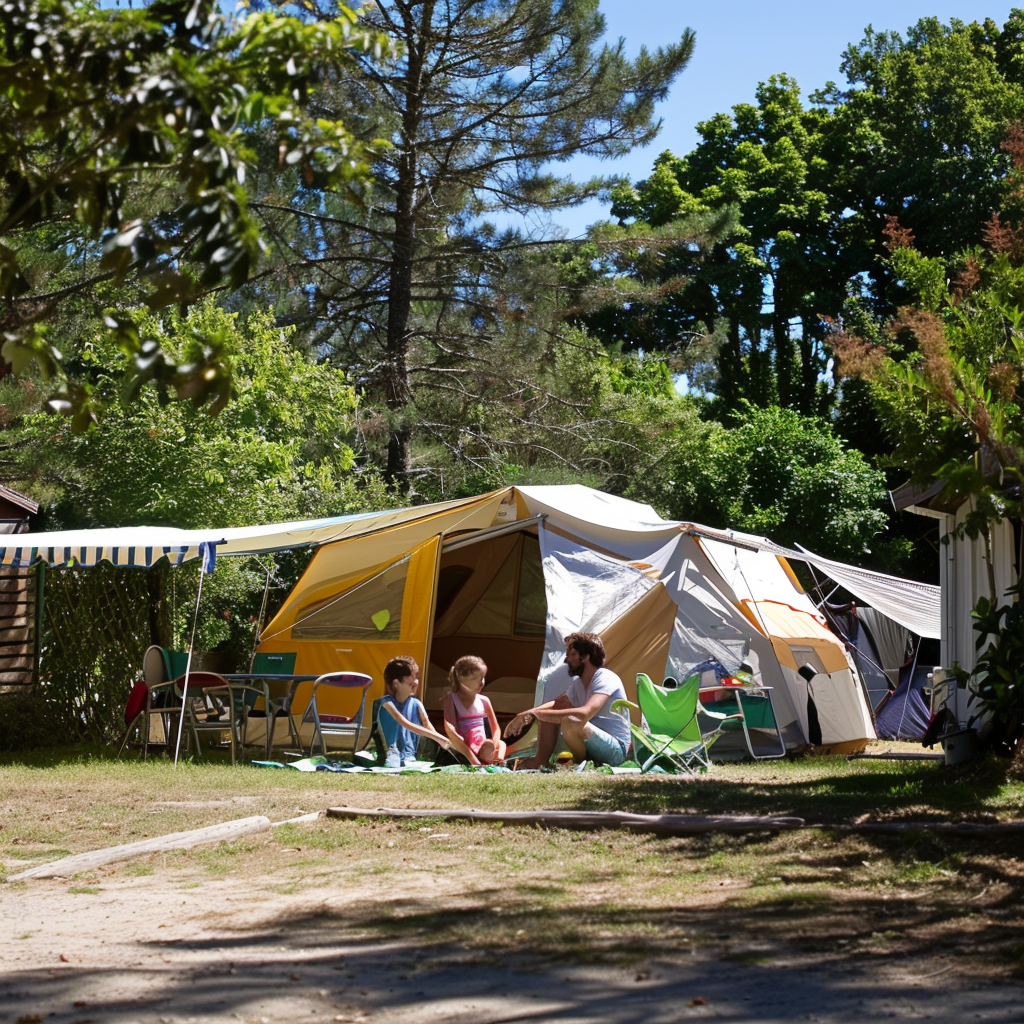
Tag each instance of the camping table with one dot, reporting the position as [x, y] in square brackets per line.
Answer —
[755, 705]
[280, 692]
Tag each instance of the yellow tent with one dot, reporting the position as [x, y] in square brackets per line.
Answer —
[477, 578]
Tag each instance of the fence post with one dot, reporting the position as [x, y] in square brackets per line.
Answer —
[40, 621]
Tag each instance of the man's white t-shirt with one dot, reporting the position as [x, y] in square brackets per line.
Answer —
[607, 682]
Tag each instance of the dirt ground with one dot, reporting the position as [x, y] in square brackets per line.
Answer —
[434, 920]
[176, 946]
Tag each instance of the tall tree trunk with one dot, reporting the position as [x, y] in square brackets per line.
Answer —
[397, 391]
[396, 364]
[784, 362]
[730, 366]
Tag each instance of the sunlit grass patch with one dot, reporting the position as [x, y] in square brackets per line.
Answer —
[47, 853]
[223, 858]
[429, 824]
[316, 836]
[138, 868]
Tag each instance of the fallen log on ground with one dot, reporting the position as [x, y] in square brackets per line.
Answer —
[946, 828]
[73, 865]
[679, 824]
[658, 824]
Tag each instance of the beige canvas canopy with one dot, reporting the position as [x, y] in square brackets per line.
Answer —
[479, 579]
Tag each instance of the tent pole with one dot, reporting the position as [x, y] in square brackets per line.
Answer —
[188, 669]
[263, 610]
[910, 684]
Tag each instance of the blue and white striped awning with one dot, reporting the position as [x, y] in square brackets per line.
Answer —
[132, 547]
[144, 546]
[123, 557]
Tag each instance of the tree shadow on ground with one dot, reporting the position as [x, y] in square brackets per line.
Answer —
[930, 791]
[405, 952]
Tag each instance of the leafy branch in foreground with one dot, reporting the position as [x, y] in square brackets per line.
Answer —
[130, 130]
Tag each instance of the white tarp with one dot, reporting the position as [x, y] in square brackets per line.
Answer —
[585, 592]
[916, 606]
[891, 640]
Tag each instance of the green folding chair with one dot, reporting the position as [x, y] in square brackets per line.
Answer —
[279, 700]
[669, 734]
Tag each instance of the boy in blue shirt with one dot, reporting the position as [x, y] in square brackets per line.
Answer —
[402, 715]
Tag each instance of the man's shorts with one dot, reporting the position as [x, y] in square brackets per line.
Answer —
[603, 748]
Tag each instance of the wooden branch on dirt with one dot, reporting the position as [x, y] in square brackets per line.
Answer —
[658, 824]
[678, 824]
[897, 755]
[945, 828]
[67, 866]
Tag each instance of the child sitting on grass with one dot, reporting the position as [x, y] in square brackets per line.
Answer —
[466, 710]
[402, 716]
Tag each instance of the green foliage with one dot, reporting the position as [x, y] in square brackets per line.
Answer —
[998, 677]
[280, 451]
[96, 630]
[129, 131]
[29, 722]
[544, 409]
[920, 124]
[775, 272]
[915, 132]
[772, 473]
[948, 379]
[948, 383]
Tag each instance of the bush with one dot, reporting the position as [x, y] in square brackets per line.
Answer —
[998, 677]
[28, 722]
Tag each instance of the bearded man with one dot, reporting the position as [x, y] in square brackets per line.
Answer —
[582, 715]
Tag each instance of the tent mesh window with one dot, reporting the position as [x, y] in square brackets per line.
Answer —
[531, 603]
[372, 610]
[95, 633]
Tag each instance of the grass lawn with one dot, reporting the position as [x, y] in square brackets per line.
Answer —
[589, 896]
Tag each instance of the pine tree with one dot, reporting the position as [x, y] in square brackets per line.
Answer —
[487, 96]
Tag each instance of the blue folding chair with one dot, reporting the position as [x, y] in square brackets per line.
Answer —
[344, 728]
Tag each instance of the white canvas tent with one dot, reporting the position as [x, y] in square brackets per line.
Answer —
[507, 574]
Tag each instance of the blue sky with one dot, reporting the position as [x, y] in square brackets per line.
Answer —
[740, 43]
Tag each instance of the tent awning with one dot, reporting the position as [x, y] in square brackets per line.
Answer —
[608, 522]
[917, 606]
